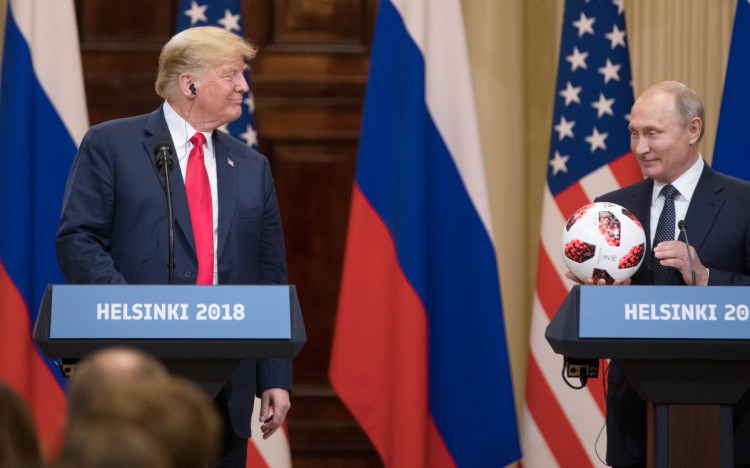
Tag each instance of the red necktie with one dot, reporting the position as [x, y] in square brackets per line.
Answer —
[201, 211]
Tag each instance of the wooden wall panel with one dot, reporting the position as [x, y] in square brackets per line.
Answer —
[309, 82]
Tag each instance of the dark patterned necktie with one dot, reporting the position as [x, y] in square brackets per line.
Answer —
[664, 231]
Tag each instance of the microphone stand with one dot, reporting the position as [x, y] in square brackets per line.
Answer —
[164, 164]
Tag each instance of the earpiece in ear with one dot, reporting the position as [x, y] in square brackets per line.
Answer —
[192, 88]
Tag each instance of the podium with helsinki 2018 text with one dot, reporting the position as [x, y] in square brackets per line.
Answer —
[685, 350]
[198, 332]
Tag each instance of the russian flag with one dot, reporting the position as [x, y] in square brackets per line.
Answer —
[42, 119]
[419, 353]
[730, 151]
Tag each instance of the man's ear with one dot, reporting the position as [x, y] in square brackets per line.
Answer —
[187, 86]
[694, 128]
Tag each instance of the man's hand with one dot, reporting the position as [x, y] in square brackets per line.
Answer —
[573, 277]
[273, 408]
[673, 253]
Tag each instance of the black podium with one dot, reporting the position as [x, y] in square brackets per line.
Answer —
[187, 345]
[690, 370]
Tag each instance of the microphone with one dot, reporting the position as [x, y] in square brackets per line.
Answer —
[683, 229]
[163, 153]
[164, 164]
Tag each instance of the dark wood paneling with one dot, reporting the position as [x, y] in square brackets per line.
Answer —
[309, 82]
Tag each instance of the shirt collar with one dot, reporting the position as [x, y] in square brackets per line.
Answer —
[685, 184]
[181, 131]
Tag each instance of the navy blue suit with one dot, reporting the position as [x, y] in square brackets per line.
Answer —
[718, 223]
[113, 228]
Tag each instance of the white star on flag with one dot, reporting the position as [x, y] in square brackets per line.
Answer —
[250, 102]
[564, 128]
[610, 72]
[230, 22]
[559, 163]
[616, 37]
[585, 25]
[577, 59]
[596, 140]
[196, 13]
[560, 429]
[603, 106]
[249, 135]
[570, 93]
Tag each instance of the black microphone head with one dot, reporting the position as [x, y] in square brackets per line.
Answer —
[163, 152]
[162, 146]
[682, 225]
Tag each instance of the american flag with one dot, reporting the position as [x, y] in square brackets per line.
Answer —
[228, 15]
[273, 452]
[589, 156]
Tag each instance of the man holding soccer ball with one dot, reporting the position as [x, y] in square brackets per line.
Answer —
[666, 126]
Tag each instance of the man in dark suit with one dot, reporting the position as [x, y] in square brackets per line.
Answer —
[113, 227]
[666, 125]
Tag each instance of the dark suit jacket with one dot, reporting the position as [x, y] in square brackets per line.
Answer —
[113, 227]
[718, 225]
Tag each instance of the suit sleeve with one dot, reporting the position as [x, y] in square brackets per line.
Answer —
[86, 221]
[718, 277]
[272, 373]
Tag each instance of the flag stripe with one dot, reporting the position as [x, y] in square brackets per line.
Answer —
[570, 199]
[589, 156]
[393, 346]
[555, 427]
[417, 188]
[541, 455]
[67, 95]
[37, 149]
[625, 171]
[23, 369]
[449, 78]
[548, 281]
[572, 402]
[731, 135]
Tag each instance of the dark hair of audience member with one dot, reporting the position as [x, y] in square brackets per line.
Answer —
[19, 441]
[174, 413]
[110, 444]
[107, 368]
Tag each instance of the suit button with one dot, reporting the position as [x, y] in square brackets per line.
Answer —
[188, 274]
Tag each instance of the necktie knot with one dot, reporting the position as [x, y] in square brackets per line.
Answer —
[199, 139]
[668, 191]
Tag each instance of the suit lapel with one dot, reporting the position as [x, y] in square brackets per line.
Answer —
[156, 128]
[704, 207]
[228, 181]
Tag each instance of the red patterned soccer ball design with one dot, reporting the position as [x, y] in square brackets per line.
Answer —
[603, 241]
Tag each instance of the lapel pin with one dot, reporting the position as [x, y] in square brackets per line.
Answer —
[231, 163]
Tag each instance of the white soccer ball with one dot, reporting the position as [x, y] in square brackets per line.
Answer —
[603, 241]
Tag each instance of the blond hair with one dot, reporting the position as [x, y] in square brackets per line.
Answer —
[194, 50]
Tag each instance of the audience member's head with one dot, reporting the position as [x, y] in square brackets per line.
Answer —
[19, 442]
[173, 412]
[107, 444]
[109, 368]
